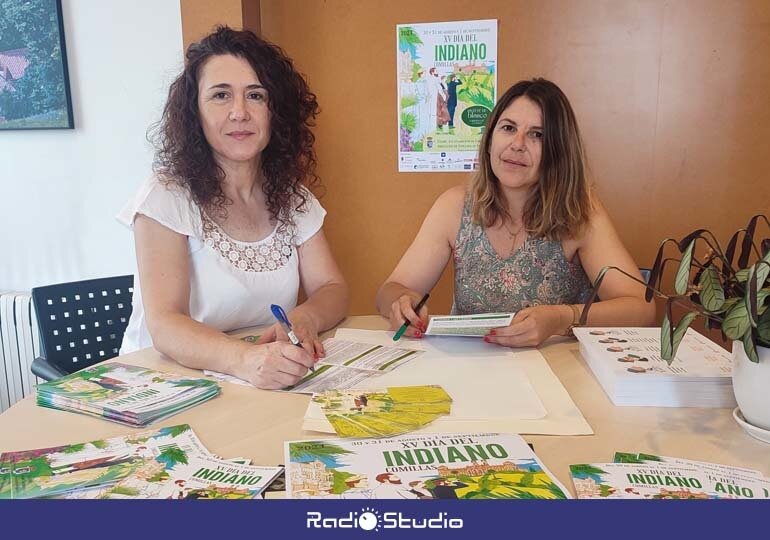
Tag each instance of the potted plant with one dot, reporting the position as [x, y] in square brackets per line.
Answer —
[731, 293]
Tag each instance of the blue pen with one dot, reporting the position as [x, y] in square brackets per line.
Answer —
[283, 320]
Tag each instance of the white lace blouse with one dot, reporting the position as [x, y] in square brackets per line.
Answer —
[232, 283]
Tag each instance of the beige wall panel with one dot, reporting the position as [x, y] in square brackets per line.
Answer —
[199, 17]
[671, 98]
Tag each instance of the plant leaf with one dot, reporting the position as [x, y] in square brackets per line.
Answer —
[690, 238]
[762, 270]
[656, 270]
[757, 276]
[709, 261]
[730, 252]
[748, 242]
[667, 335]
[712, 295]
[671, 337]
[742, 275]
[681, 329]
[683, 273]
[763, 328]
[750, 347]
[729, 303]
[736, 322]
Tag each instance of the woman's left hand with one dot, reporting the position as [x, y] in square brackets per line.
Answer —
[305, 330]
[531, 326]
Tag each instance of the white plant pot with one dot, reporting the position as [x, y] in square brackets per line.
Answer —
[751, 385]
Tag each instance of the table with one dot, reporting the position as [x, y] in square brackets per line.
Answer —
[245, 421]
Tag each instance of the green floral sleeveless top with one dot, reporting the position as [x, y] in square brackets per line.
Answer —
[537, 273]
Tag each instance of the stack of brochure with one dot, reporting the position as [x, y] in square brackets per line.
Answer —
[430, 466]
[170, 463]
[645, 476]
[628, 365]
[126, 394]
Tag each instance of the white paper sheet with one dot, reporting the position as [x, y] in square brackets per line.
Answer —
[492, 388]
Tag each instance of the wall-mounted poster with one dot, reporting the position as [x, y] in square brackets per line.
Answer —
[447, 84]
[34, 84]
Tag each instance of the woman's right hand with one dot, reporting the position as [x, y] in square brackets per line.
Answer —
[273, 366]
[403, 310]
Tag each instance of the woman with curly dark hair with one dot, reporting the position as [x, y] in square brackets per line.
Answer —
[226, 225]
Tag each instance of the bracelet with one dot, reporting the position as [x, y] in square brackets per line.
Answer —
[575, 320]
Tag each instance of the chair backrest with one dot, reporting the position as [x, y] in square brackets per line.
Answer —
[82, 323]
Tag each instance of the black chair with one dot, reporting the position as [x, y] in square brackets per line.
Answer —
[81, 323]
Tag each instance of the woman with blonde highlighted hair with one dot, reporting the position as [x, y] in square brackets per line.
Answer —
[526, 233]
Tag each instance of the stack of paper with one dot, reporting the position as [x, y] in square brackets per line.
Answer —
[168, 463]
[644, 476]
[125, 394]
[383, 412]
[430, 466]
[628, 365]
[47, 472]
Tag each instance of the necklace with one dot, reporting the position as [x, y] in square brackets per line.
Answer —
[513, 234]
[510, 232]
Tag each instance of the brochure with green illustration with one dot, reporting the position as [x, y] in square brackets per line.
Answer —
[194, 477]
[383, 412]
[48, 472]
[431, 466]
[663, 480]
[125, 394]
[628, 457]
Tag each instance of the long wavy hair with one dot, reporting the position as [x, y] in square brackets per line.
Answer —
[184, 156]
[560, 203]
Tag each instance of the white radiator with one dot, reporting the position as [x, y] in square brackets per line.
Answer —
[19, 345]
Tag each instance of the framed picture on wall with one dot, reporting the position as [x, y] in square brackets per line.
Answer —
[34, 82]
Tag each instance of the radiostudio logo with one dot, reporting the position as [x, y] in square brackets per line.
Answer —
[370, 519]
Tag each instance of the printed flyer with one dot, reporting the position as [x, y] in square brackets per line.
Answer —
[59, 470]
[435, 466]
[383, 412]
[663, 480]
[194, 477]
[447, 86]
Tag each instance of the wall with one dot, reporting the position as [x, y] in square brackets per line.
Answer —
[60, 190]
[199, 17]
[671, 98]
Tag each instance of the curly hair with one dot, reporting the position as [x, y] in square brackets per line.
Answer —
[184, 156]
[560, 204]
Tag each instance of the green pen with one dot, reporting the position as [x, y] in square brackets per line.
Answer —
[404, 326]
